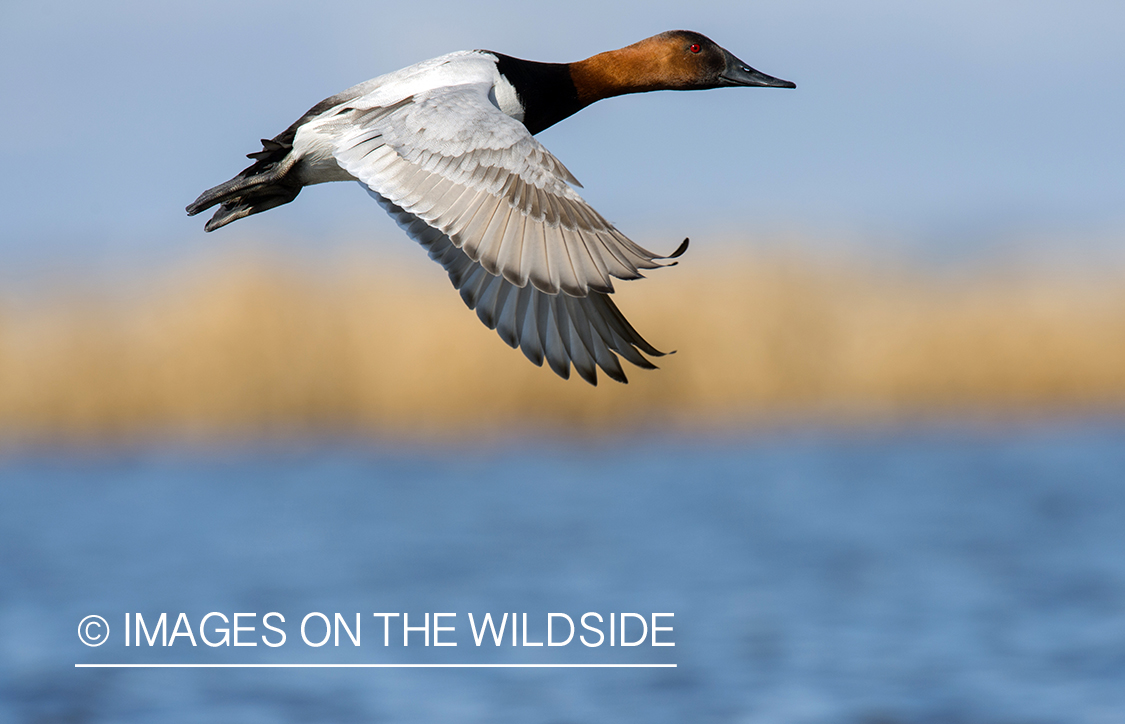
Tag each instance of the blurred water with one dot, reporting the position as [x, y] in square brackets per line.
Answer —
[914, 576]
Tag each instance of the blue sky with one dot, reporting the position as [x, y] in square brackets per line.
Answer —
[937, 124]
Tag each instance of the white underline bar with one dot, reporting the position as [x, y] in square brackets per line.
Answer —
[375, 666]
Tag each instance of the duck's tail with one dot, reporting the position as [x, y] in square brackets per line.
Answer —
[264, 185]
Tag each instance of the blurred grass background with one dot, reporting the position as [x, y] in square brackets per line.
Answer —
[263, 343]
[993, 126]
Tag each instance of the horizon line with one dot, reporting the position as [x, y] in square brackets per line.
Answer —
[375, 666]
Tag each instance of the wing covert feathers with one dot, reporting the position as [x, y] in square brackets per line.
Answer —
[456, 162]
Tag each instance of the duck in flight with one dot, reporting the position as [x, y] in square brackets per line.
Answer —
[446, 147]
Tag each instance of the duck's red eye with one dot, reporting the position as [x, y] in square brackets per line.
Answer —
[695, 48]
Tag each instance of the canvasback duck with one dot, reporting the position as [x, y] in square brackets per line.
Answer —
[446, 148]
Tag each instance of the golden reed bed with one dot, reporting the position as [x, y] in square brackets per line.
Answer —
[254, 346]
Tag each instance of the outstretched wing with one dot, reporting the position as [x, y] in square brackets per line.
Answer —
[453, 160]
[558, 328]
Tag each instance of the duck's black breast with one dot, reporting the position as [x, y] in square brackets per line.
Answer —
[546, 90]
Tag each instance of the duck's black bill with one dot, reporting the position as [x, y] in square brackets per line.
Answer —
[738, 73]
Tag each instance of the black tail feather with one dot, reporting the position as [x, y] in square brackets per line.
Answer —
[265, 184]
